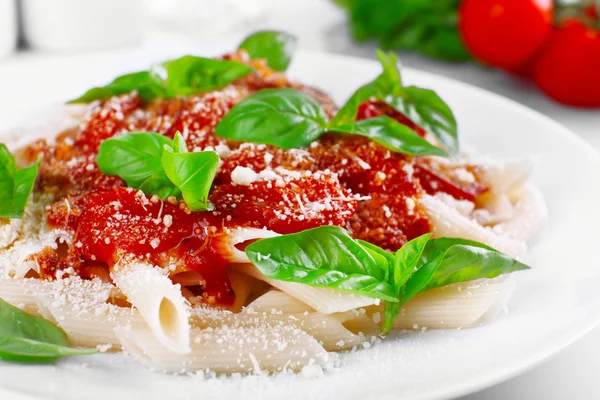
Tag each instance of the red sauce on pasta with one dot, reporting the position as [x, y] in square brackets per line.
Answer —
[339, 180]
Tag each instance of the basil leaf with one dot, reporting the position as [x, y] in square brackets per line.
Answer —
[33, 351]
[428, 110]
[407, 258]
[389, 81]
[403, 266]
[347, 114]
[449, 260]
[192, 173]
[136, 158]
[325, 257]
[24, 337]
[16, 185]
[376, 249]
[393, 135]
[274, 46]
[284, 118]
[190, 75]
[147, 86]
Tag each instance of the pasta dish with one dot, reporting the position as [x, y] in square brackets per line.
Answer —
[214, 214]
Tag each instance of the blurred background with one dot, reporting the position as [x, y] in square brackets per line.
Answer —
[541, 53]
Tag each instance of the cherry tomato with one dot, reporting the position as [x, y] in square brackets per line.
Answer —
[505, 33]
[568, 68]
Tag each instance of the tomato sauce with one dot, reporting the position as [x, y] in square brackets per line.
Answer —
[346, 181]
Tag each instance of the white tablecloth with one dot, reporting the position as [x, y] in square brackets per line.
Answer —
[573, 373]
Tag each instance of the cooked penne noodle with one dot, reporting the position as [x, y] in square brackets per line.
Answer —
[463, 305]
[91, 326]
[529, 214]
[241, 235]
[448, 222]
[242, 286]
[326, 301]
[279, 301]
[22, 293]
[158, 300]
[229, 350]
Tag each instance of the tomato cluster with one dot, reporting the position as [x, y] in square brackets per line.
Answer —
[559, 48]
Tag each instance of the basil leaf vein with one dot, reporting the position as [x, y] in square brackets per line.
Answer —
[276, 47]
[16, 185]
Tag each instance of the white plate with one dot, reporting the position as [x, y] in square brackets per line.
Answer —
[555, 303]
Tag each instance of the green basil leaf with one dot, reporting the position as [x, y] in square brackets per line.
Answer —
[403, 266]
[387, 83]
[449, 260]
[376, 249]
[284, 118]
[16, 185]
[407, 258]
[24, 337]
[136, 158]
[393, 135]
[15, 322]
[348, 112]
[274, 46]
[147, 86]
[390, 80]
[33, 351]
[192, 173]
[190, 75]
[428, 110]
[325, 257]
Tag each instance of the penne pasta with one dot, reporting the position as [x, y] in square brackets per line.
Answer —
[158, 300]
[463, 305]
[529, 215]
[229, 350]
[448, 222]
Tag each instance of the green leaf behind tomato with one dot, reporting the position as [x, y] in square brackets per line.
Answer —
[274, 46]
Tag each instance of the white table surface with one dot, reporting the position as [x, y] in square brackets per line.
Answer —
[571, 374]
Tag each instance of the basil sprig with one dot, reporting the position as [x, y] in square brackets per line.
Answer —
[16, 185]
[328, 257]
[158, 166]
[26, 338]
[287, 118]
[180, 77]
[422, 106]
[275, 47]
[190, 75]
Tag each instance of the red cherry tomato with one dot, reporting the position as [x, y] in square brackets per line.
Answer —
[505, 33]
[568, 68]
